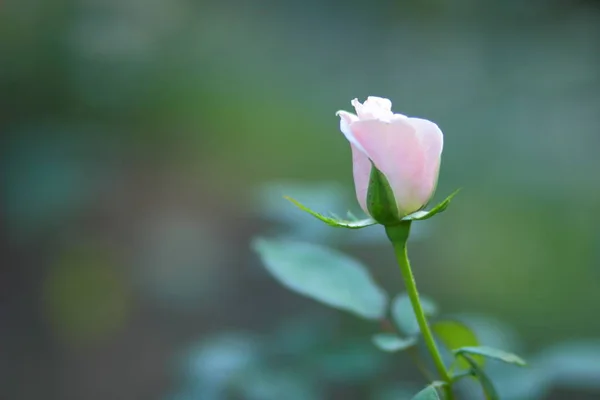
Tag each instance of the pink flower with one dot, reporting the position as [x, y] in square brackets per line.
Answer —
[406, 150]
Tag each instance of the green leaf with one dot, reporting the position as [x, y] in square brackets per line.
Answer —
[381, 202]
[352, 223]
[480, 375]
[391, 343]
[441, 207]
[455, 335]
[323, 274]
[460, 375]
[404, 316]
[489, 352]
[430, 392]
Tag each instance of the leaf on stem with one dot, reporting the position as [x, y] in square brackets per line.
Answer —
[455, 335]
[481, 376]
[323, 274]
[490, 352]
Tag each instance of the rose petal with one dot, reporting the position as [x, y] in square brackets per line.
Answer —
[361, 168]
[346, 119]
[432, 142]
[374, 108]
[396, 150]
[379, 102]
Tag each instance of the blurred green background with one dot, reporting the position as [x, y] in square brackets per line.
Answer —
[145, 143]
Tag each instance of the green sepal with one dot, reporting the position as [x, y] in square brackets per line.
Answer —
[441, 207]
[492, 353]
[381, 202]
[351, 223]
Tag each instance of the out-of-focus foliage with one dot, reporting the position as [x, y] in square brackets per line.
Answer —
[404, 316]
[391, 342]
[338, 281]
[293, 358]
[85, 296]
[297, 361]
[136, 135]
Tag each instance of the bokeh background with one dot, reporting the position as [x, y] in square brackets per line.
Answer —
[146, 143]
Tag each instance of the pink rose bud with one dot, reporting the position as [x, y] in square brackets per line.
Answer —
[406, 150]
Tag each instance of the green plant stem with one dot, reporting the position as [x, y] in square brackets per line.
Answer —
[398, 235]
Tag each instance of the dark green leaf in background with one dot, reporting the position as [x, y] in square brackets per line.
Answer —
[404, 316]
[391, 342]
[454, 335]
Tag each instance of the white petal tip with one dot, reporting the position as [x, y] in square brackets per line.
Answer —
[346, 116]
